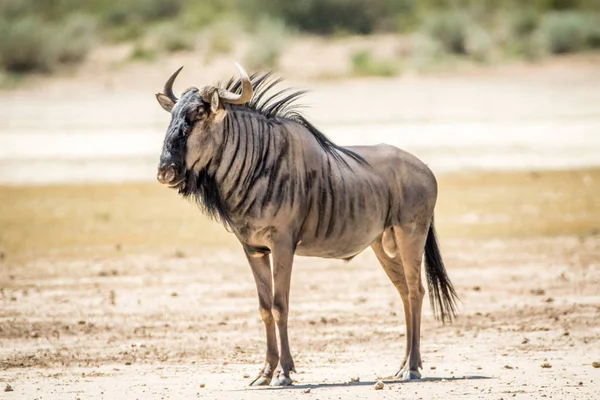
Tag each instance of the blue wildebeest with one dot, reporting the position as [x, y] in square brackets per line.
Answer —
[251, 161]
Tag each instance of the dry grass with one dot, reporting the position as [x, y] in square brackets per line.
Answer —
[517, 204]
[99, 219]
[123, 279]
[107, 220]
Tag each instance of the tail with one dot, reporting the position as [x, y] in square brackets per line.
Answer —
[442, 295]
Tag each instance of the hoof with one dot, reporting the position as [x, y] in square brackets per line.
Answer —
[408, 375]
[281, 380]
[261, 381]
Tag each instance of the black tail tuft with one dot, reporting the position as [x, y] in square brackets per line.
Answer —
[441, 292]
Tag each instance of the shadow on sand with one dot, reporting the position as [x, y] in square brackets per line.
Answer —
[387, 381]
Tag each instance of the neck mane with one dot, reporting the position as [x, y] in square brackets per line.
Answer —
[257, 135]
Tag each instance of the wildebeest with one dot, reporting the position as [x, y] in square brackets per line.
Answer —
[251, 161]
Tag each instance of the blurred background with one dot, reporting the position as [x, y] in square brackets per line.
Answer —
[463, 84]
[501, 98]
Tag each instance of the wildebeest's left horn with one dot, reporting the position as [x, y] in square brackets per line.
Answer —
[168, 89]
[243, 97]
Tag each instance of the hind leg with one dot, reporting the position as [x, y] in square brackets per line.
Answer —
[411, 243]
[395, 271]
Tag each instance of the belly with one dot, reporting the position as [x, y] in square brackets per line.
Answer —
[347, 244]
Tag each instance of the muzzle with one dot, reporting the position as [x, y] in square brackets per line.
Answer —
[168, 175]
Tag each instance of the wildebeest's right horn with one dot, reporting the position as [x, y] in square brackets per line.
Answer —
[168, 89]
[243, 97]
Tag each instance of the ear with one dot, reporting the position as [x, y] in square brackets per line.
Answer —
[165, 102]
[215, 101]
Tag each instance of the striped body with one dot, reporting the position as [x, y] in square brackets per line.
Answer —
[284, 189]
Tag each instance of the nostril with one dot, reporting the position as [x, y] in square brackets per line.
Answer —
[169, 175]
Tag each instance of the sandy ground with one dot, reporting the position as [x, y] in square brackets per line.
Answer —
[108, 127]
[178, 326]
[124, 292]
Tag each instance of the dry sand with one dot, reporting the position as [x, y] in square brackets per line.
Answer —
[178, 326]
[124, 292]
[108, 127]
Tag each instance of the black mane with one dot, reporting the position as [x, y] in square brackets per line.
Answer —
[203, 189]
[271, 104]
[281, 104]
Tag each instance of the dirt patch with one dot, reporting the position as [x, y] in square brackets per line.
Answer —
[125, 291]
[175, 324]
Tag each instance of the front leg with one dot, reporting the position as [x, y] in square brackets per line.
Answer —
[283, 258]
[261, 269]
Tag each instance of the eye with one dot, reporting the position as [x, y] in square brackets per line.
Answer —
[196, 113]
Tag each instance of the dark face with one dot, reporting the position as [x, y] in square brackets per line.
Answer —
[191, 138]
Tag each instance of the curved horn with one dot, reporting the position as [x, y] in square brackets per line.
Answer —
[247, 90]
[168, 89]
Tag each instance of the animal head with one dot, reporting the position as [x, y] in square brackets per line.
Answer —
[195, 131]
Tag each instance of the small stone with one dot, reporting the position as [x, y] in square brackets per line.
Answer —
[525, 341]
[306, 390]
[35, 334]
[538, 292]
[179, 254]
[546, 365]
[355, 379]
[246, 376]
[378, 385]
[202, 385]
[508, 367]
[596, 364]
[8, 388]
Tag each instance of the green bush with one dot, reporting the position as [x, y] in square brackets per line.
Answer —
[221, 37]
[425, 53]
[76, 38]
[124, 12]
[479, 44]
[38, 35]
[28, 44]
[333, 16]
[171, 38]
[364, 64]
[133, 30]
[518, 34]
[450, 30]
[563, 32]
[568, 31]
[200, 14]
[268, 41]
